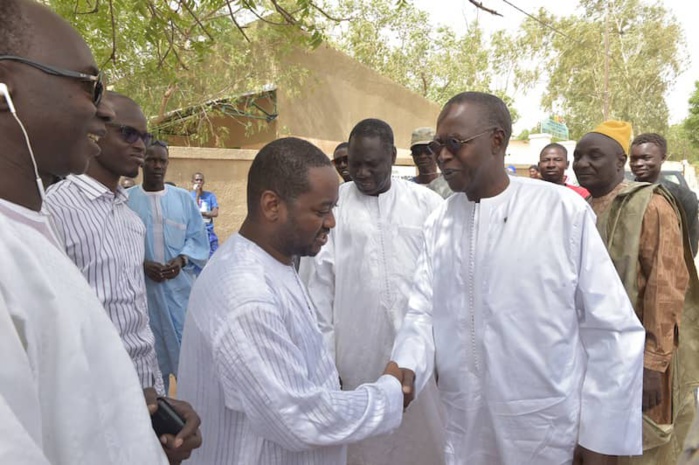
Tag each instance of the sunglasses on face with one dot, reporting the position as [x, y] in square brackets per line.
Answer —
[130, 134]
[453, 144]
[420, 150]
[341, 160]
[96, 80]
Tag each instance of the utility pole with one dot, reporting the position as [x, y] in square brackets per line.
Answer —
[605, 108]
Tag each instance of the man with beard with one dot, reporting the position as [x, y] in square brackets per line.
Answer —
[538, 357]
[253, 361]
[360, 283]
[642, 229]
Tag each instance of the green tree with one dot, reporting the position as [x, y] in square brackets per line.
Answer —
[646, 53]
[680, 145]
[160, 52]
[691, 124]
[433, 61]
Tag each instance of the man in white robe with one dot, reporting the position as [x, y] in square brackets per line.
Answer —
[518, 309]
[175, 241]
[253, 361]
[69, 394]
[360, 283]
[64, 370]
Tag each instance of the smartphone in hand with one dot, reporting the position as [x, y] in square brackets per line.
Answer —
[166, 420]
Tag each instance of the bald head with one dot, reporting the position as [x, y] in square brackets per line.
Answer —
[59, 112]
[492, 110]
[14, 29]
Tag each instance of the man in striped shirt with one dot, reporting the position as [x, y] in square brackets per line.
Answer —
[253, 361]
[105, 238]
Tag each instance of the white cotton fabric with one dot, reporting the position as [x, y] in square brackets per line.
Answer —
[70, 387]
[535, 343]
[360, 282]
[254, 366]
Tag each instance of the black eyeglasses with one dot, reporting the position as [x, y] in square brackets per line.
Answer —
[452, 144]
[97, 84]
[131, 134]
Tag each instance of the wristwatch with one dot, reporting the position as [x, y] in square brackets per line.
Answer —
[185, 260]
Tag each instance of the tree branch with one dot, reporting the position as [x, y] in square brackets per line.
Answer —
[480, 6]
[285, 14]
[230, 10]
[113, 55]
[326, 14]
[196, 18]
[171, 88]
[94, 10]
[264, 20]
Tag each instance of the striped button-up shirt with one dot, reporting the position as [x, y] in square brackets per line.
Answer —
[106, 240]
[254, 365]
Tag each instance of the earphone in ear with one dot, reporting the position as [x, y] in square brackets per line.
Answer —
[6, 93]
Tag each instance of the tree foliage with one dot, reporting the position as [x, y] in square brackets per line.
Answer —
[691, 124]
[433, 61]
[679, 144]
[646, 53]
[169, 54]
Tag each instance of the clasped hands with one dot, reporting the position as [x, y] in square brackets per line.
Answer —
[406, 378]
[159, 272]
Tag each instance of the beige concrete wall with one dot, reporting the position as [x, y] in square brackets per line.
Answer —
[226, 173]
[339, 92]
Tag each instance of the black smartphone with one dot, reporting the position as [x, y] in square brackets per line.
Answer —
[165, 420]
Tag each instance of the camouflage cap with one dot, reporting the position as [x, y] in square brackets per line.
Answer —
[422, 136]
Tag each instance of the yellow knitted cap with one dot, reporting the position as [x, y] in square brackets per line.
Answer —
[620, 131]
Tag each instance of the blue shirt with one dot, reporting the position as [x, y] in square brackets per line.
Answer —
[207, 202]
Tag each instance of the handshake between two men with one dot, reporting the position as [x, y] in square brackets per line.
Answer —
[406, 378]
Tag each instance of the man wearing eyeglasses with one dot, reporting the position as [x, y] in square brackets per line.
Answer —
[538, 356]
[69, 393]
[106, 239]
[340, 156]
[175, 241]
[360, 281]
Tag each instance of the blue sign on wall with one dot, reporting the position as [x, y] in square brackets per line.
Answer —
[556, 129]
